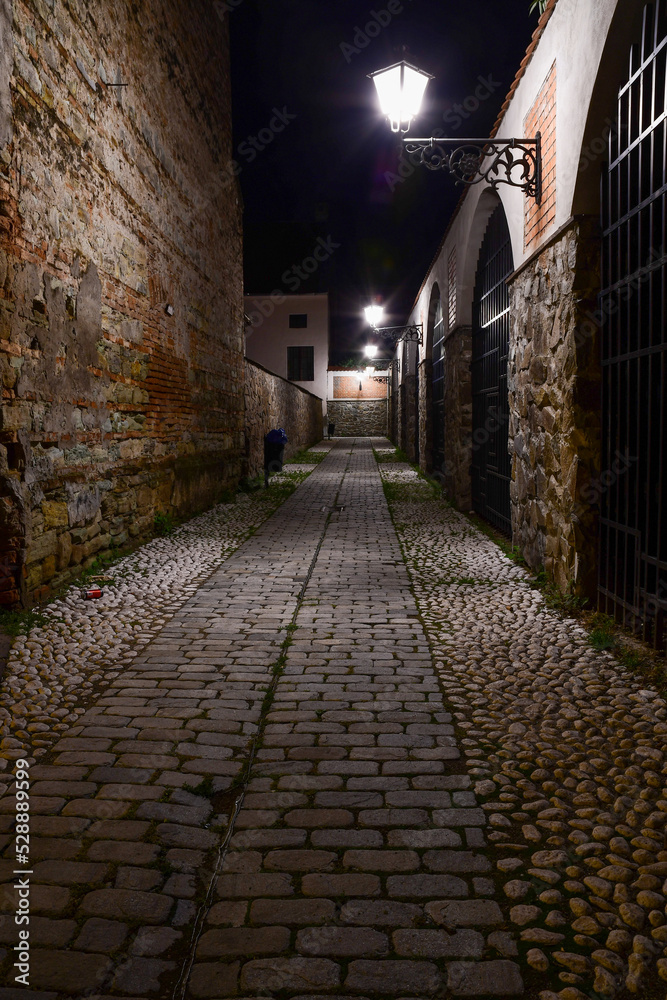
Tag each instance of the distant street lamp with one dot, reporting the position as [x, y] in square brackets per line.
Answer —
[516, 162]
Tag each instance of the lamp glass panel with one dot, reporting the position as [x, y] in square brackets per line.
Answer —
[388, 85]
[414, 85]
[374, 314]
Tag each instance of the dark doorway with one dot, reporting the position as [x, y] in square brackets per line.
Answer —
[490, 470]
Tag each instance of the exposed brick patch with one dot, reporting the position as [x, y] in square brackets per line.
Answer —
[542, 118]
[347, 387]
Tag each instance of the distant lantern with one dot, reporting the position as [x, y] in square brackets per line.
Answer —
[400, 89]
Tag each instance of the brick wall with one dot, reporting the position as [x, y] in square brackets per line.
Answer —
[120, 279]
[347, 387]
[272, 401]
[542, 118]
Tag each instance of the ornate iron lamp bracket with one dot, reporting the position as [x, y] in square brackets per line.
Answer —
[413, 333]
[516, 162]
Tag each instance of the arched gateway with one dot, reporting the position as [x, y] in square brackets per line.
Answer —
[490, 467]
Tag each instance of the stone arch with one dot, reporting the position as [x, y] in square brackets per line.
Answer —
[487, 202]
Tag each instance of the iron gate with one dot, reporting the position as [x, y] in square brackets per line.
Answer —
[490, 470]
[633, 539]
[438, 415]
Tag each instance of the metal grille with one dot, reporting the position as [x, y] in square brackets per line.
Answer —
[438, 358]
[633, 538]
[490, 404]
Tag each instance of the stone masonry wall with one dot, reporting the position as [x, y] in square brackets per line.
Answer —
[426, 415]
[410, 441]
[120, 279]
[358, 418]
[554, 389]
[458, 417]
[272, 401]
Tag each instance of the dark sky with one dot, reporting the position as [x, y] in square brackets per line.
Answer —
[315, 159]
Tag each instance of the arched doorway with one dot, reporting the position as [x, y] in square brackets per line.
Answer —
[490, 467]
[633, 307]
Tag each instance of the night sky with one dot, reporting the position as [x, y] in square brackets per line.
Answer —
[317, 162]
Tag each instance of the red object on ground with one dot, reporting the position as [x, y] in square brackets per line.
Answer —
[92, 593]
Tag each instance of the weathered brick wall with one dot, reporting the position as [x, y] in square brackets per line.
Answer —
[272, 401]
[114, 211]
[554, 391]
[542, 118]
[347, 387]
[359, 418]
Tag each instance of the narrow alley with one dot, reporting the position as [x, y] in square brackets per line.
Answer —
[328, 770]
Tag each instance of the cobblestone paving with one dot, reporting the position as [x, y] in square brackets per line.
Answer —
[567, 749]
[81, 646]
[270, 798]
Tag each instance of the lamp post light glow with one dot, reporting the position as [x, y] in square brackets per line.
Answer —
[370, 350]
[374, 315]
[400, 89]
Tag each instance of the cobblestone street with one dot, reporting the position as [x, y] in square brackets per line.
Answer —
[340, 748]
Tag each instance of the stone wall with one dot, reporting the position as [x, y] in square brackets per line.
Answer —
[554, 389]
[358, 418]
[410, 443]
[120, 279]
[458, 417]
[272, 401]
[426, 415]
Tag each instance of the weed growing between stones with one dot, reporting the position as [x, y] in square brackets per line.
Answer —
[306, 457]
[397, 455]
[163, 524]
[14, 623]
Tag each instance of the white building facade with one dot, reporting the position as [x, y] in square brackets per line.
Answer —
[289, 335]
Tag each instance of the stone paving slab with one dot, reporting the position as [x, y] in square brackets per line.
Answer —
[295, 692]
[351, 767]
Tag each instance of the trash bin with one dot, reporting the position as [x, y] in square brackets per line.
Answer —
[274, 452]
[331, 429]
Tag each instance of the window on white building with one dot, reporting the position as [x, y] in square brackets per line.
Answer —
[301, 364]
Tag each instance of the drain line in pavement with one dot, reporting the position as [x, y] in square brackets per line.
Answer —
[277, 672]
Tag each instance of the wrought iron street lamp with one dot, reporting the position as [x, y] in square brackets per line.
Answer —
[516, 162]
[412, 332]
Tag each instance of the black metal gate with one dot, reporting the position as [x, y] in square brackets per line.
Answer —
[633, 538]
[438, 415]
[490, 470]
